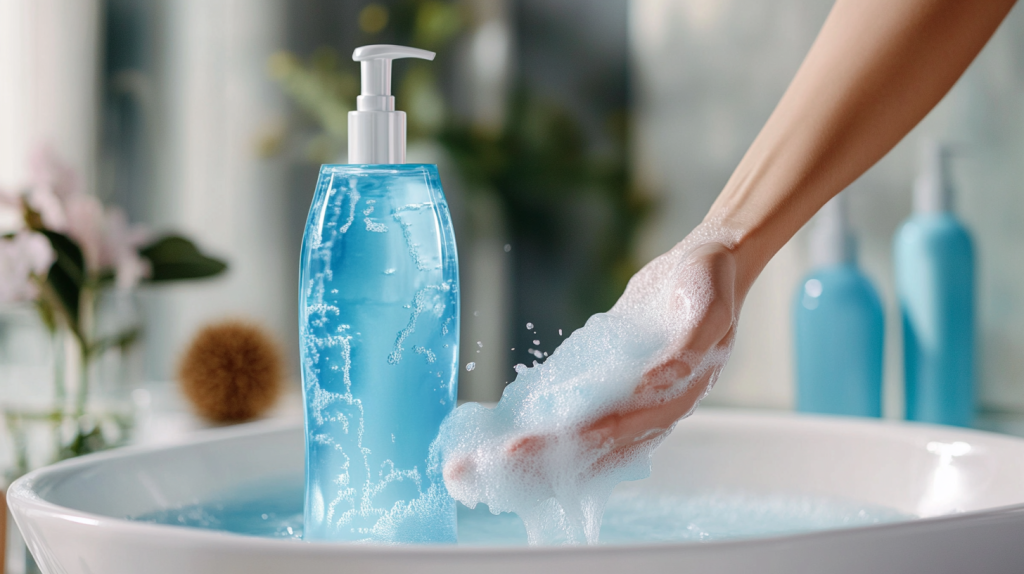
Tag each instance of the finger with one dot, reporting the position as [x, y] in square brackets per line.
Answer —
[458, 469]
[651, 425]
[631, 427]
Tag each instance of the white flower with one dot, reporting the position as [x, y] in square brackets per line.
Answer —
[43, 201]
[23, 256]
[120, 249]
[12, 217]
[106, 239]
[54, 183]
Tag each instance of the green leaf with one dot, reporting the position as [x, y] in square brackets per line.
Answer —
[67, 274]
[174, 258]
[84, 443]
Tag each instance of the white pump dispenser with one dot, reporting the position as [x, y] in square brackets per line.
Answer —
[933, 192]
[832, 239]
[376, 131]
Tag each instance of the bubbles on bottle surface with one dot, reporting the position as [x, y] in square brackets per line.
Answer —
[470, 366]
[377, 306]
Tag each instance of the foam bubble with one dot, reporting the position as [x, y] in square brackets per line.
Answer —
[530, 454]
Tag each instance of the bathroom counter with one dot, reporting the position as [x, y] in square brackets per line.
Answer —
[165, 417]
[1001, 422]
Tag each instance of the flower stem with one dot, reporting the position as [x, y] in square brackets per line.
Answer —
[86, 312]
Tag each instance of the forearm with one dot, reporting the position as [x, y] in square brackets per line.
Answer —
[876, 69]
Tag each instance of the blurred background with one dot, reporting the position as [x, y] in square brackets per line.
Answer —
[577, 139]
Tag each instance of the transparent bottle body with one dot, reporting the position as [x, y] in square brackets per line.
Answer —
[379, 337]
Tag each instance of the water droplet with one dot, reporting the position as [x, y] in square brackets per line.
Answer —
[476, 313]
[559, 332]
[264, 516]
[480, 344]
[536, 341]
[529, 325]
[508, 248]
[470, 366]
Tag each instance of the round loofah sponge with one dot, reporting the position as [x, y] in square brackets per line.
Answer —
[231, 371]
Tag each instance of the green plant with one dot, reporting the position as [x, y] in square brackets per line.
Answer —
[60, 248]
[538, 165]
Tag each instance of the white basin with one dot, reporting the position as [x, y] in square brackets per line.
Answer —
[966, 487]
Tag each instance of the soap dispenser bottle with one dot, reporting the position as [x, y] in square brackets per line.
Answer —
[839, 325]
[379, 330]
[934, 260]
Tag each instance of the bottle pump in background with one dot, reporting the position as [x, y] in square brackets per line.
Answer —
[839, 325]
[934, 261]
[378, 330]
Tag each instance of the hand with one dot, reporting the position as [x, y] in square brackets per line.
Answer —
[695, 286]
[703, 295]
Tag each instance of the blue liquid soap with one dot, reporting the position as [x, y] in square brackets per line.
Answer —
[839, 326]
[934, 260]
[379, 335]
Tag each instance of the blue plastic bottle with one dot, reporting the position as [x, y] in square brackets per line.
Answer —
[935, 286]
[379, 332]
[839, 326]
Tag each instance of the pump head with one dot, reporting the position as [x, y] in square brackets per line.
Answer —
[933, 190]
[376, 131]
[832, 238]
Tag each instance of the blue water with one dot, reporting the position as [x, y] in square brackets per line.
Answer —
[630, 518]
[378, 324]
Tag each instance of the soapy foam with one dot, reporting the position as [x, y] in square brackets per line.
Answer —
[530, 454]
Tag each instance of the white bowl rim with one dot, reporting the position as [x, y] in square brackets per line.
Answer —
[21, 497]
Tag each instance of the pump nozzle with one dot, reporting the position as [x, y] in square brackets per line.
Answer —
[376, 132]
[933, 190]
[832, 239]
